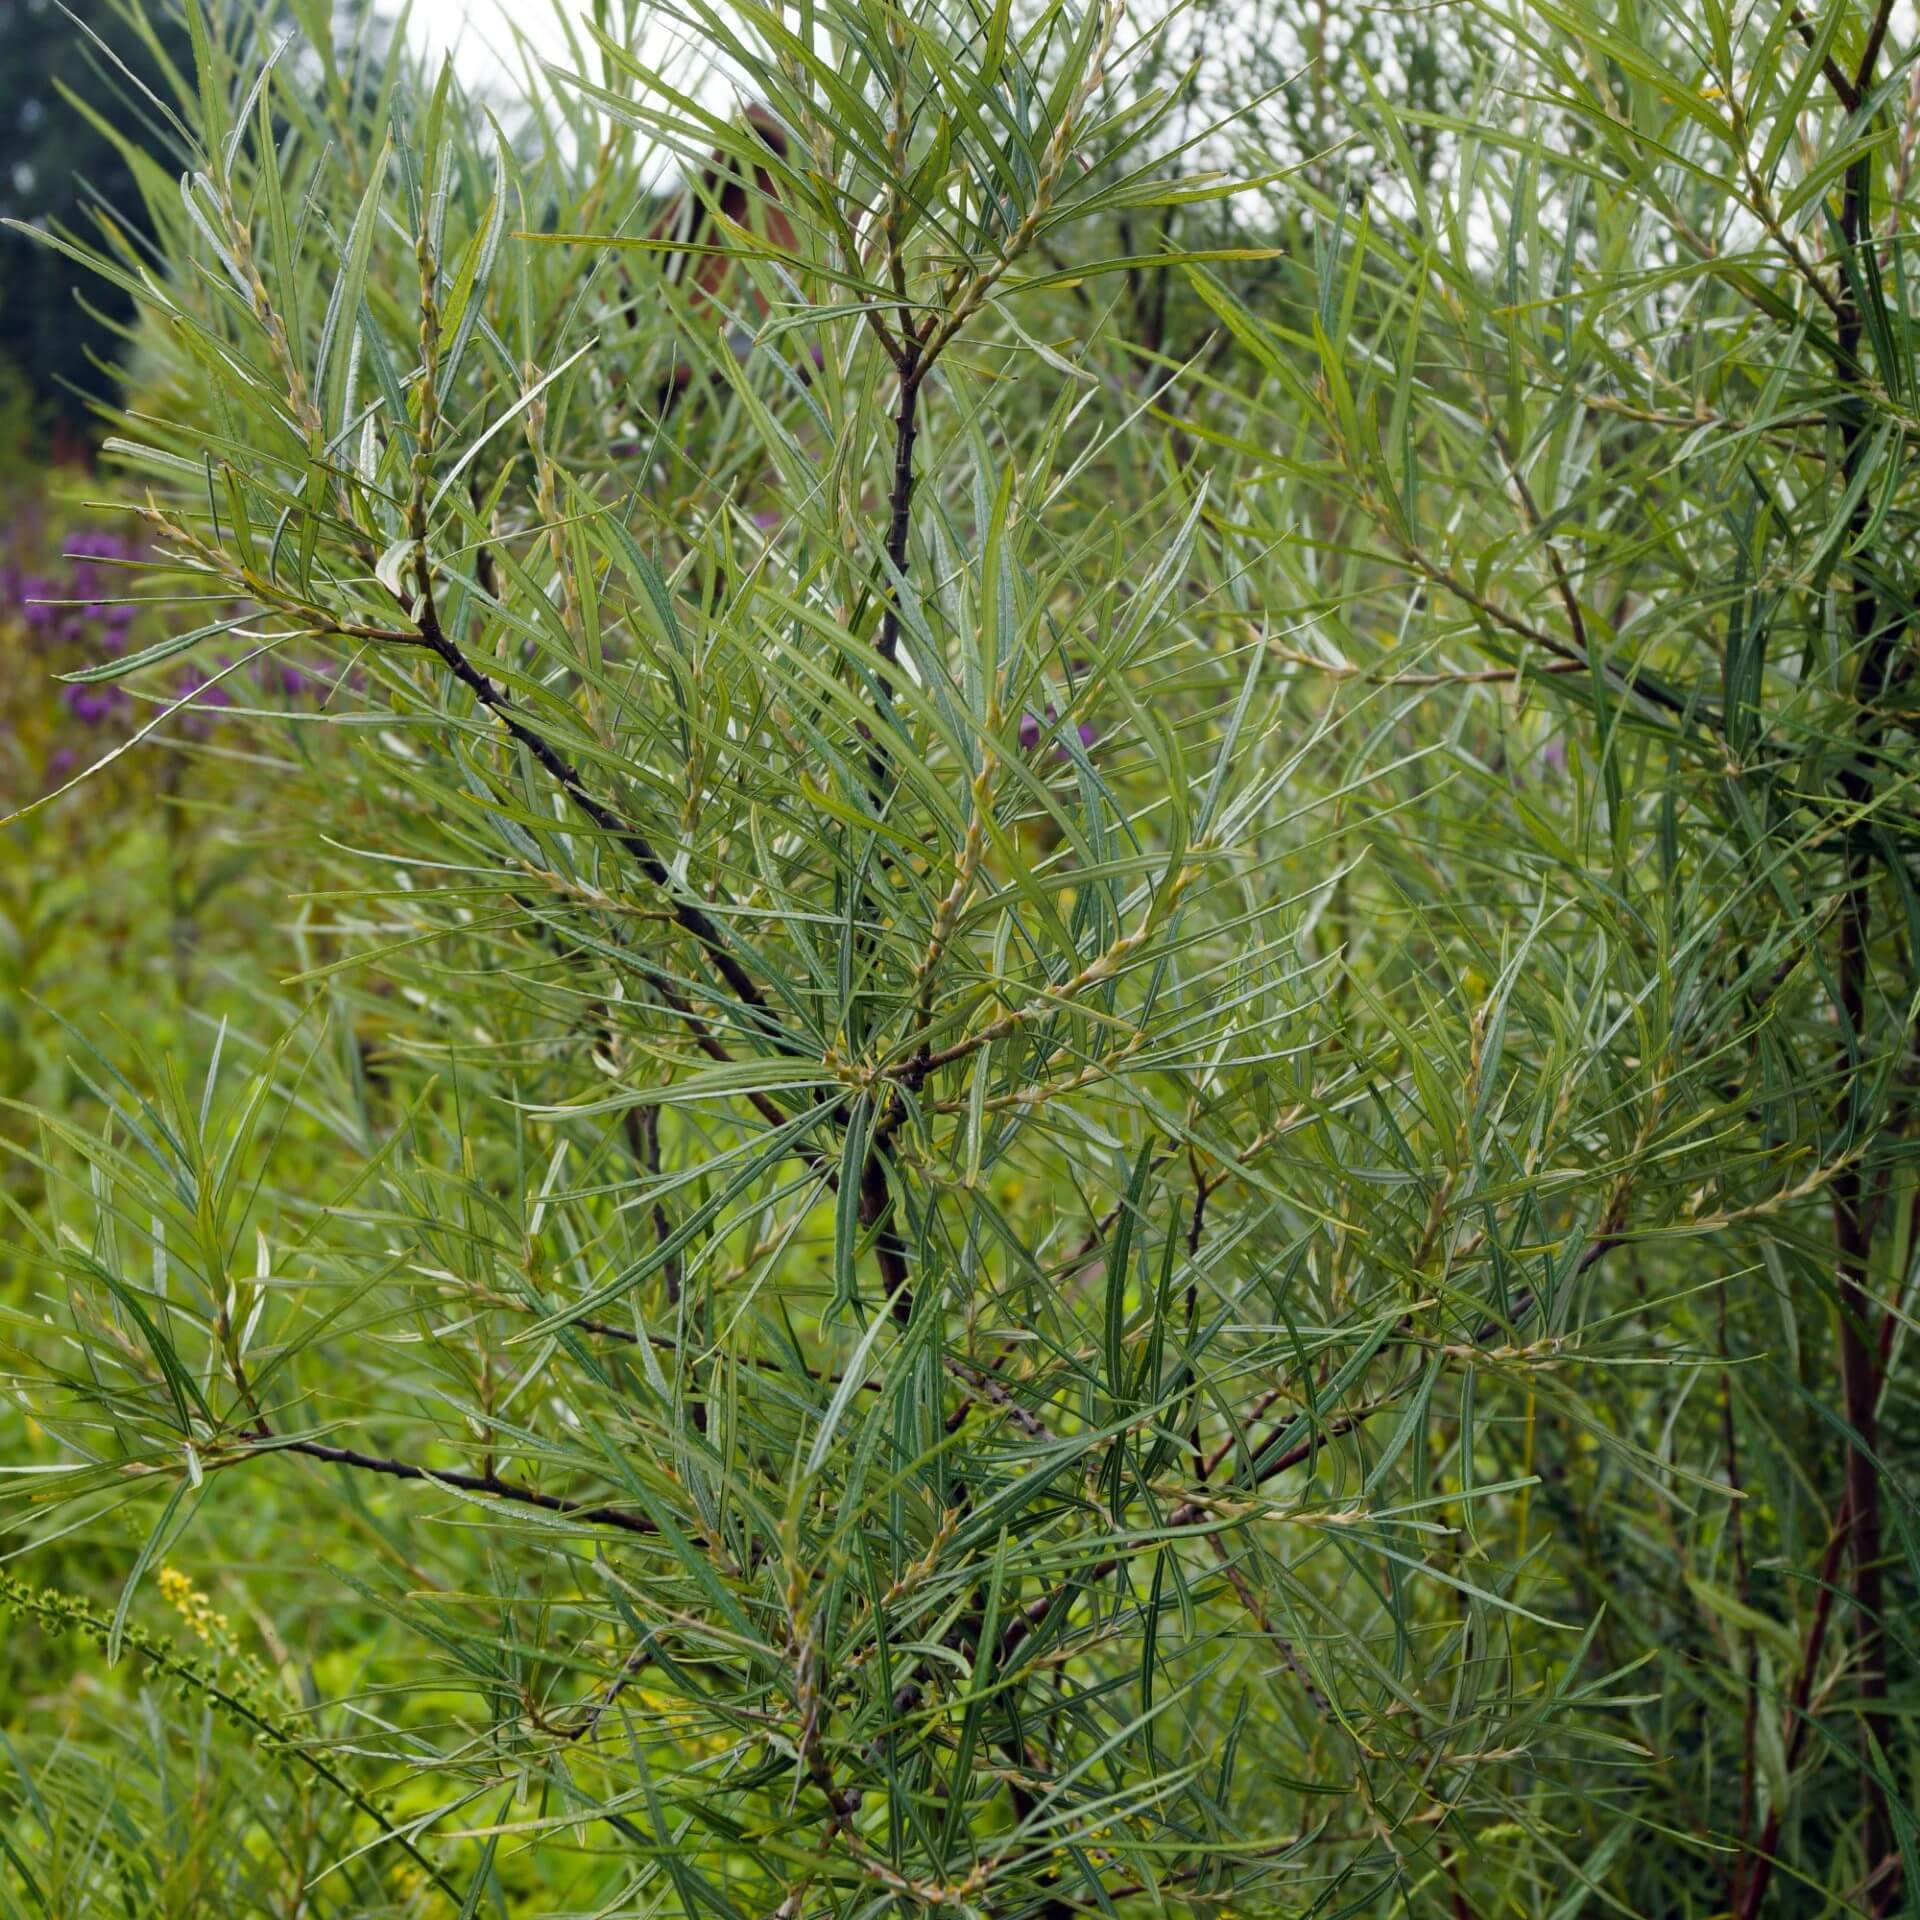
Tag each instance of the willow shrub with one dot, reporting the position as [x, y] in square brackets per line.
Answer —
[1618, 406]
[951, 1205]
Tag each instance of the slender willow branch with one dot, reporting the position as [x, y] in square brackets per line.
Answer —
[1870, 53]
[889, 1247]
[1257, 1612]
[484, 1483]
[705, 1039]
[1187, 1514]
[917, 352]
[1743, 1591]
[1183, 1877]
[1477, 677]
[644, 1131]
[1266, 1466]
[1875, 635]
[666, 1343]
[875, 1200]
[595, 1710]
[906, 431]
[691, 916]
[676, 1003]
[1843, 88]
[983, 1382]
[1794, 1733]
[1653, 692]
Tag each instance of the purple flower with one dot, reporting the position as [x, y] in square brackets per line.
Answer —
[79, 611]
[293, 680]
[99, 544]
[36, 590]
[1031, 727]
[199, 695]
[202, 690]
[90, 705]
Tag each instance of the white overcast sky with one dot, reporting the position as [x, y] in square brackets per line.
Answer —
[476, 33]
[470, 27]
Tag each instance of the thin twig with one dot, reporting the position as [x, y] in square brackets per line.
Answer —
[489, 1484]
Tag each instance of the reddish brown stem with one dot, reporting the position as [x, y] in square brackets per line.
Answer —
[1794, 1733]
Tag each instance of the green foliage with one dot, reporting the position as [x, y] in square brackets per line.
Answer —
[1614, 409]
[1045, 1132]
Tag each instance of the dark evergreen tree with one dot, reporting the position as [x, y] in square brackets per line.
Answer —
[59, 168]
